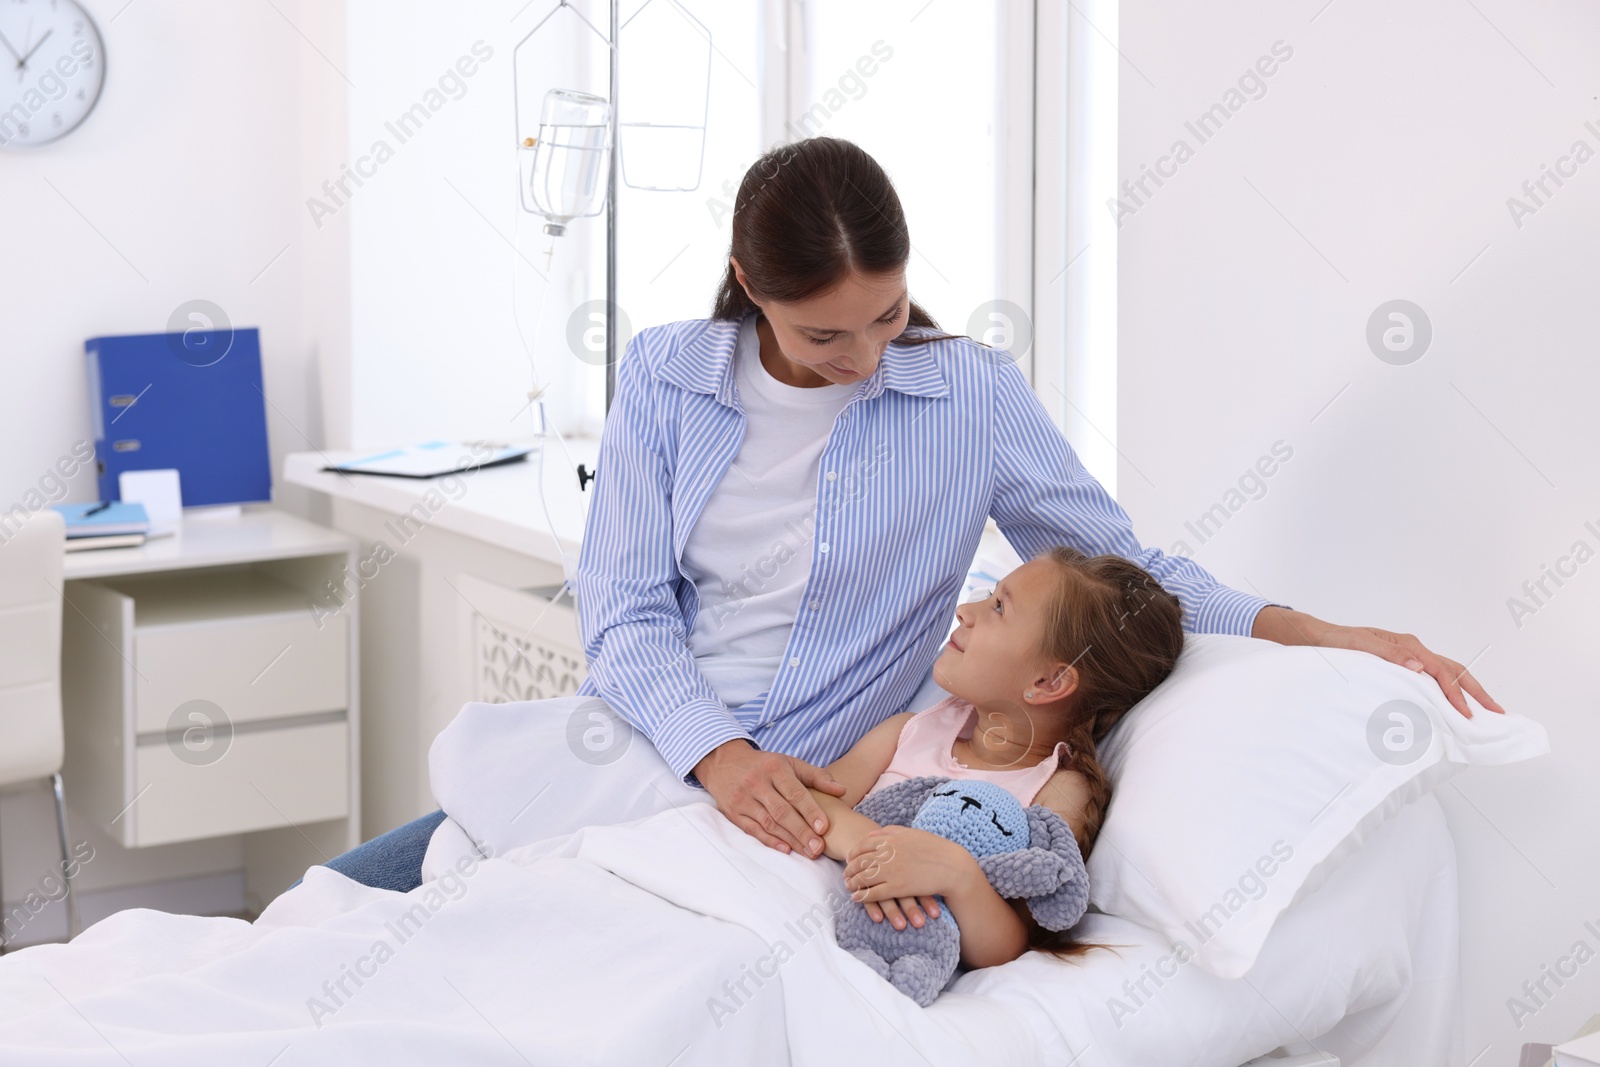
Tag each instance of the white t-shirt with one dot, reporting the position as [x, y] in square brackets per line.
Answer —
[749, 554]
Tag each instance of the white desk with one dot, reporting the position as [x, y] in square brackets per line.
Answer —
[445, 566]
[258, 534]
[498, 505]
[220, 620]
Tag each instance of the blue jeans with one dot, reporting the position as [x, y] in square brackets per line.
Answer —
[392, 860]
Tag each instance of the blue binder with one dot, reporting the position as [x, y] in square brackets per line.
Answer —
[192, 401]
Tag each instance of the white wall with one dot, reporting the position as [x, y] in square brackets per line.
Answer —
[1419, 497]
[184, 183]
[434, 314]
[447, 272]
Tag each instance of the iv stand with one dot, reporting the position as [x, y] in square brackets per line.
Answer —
[614, 162]
[611, 209]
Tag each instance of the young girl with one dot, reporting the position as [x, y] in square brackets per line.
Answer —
[1039, 672]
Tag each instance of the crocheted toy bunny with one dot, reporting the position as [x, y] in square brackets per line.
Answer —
[1028, 854]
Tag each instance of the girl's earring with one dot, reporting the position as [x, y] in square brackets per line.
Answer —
[1029, 694]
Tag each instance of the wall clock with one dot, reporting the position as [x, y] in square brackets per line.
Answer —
[52, 67]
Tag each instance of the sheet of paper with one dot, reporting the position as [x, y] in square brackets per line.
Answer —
[160, 493]
[1580, 1052]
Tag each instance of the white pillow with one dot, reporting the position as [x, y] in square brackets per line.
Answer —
[1247, 777]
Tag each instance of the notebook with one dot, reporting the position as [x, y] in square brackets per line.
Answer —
[103, 519]
[82, 544]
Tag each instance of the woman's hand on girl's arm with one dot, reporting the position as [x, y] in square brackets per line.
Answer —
[771, 796]
[768, 795]
[1289, 627]
[899, 861]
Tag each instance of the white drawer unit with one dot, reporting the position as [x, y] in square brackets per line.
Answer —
[244, 640]
[209, 701]
[282, 773]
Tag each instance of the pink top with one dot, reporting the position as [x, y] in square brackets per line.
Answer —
[926, 748]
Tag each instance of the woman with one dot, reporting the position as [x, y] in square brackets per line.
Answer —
[791, 494]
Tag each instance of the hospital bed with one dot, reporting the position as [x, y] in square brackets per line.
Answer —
[1363, 970]
[621, 919]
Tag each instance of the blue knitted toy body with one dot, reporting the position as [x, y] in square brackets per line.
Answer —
[1025, 853]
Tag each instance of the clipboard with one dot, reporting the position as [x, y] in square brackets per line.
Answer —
[433, 459]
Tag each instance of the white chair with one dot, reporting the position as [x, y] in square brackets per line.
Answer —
[31, 741]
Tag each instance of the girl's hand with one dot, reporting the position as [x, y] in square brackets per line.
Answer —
[893, 863]
[904, 911]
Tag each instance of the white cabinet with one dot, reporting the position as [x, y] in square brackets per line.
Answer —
[209, 689]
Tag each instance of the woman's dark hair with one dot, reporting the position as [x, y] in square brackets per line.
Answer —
[807, 215]
[1123, 632]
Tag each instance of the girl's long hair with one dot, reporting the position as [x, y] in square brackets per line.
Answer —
[1123, 632]
[806, 216]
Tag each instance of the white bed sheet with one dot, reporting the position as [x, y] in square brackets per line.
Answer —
[607, 945]
[1365, 968]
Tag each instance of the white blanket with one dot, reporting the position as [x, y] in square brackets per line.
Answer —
[678, 939]
[675, 938]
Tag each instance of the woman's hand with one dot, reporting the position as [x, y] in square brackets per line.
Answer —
[900, 869]
[766, 794]
[1289, 627]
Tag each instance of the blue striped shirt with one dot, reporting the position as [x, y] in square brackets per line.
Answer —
[939, 438]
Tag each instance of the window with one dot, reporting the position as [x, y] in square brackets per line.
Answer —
[928, 113]
[672, 247]
[448, 275]
[939, 94]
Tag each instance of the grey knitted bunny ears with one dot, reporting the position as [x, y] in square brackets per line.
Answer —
[1048, 874]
